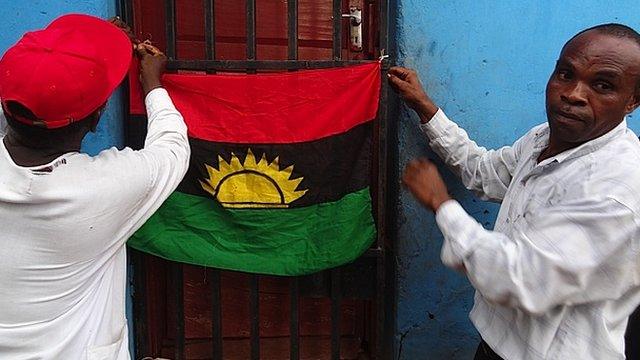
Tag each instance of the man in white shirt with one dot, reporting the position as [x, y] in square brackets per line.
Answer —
[64, 215]
[559, 275]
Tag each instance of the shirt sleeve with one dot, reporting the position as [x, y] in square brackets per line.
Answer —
[573, 253]
[485, 172]
[155, 171]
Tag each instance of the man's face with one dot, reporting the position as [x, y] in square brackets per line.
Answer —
[594, 85]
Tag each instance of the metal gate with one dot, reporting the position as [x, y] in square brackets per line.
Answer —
[370, 277]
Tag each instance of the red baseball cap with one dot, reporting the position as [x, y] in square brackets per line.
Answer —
[66, 71]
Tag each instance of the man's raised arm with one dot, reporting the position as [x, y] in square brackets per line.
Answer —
[486, 172]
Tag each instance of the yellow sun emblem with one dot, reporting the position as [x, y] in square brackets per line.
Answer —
[252, 184]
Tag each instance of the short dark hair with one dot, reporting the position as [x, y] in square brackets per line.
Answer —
[38, 134]
[614, 29]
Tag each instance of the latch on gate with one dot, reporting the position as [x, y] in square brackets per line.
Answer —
[355, 27]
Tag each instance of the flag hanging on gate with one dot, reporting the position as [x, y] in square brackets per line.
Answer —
[280, 171]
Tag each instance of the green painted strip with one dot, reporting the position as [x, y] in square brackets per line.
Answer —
[197, 230]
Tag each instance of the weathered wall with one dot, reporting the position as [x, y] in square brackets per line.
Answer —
[486, 64]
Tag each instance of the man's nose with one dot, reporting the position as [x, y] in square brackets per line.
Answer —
[575, 94]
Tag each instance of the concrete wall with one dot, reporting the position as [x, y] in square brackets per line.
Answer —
[486, 64]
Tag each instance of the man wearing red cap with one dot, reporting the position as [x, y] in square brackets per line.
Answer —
[64, 215]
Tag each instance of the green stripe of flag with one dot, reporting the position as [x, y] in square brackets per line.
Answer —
[295, 241]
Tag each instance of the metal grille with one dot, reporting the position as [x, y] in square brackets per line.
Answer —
[382, 294]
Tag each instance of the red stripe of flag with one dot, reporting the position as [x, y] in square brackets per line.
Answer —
[276, 107]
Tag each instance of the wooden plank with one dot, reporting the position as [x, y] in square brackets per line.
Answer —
[254, 313]
[274, 305]
[315, 19]
[216, 316]
[271, 19]
[312, 348]
[336, 299]
[177, 287]
[294, 319]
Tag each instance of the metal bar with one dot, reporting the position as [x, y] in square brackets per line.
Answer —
[292, 23]
[382, 125]
[242, 65]
[216, 315]
[379, 321]
[382, 300]
[140, 298]
[209, 29]
[136, 258]
[382, 214]
[170, 27]
[294, 319]
[179, 299]
[337, 29]
[254, 297]
[384, 25]
[125, 11]
[254, 313]
[251, 29]
[336, 297]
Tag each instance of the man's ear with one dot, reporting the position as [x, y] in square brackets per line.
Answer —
[96, 118]
[634, 102]
[94, 124]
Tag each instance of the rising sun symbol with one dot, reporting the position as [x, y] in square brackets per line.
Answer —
[252, 184]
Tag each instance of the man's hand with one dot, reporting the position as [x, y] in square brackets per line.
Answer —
[421, 177]
[407, 84]
[152, 66]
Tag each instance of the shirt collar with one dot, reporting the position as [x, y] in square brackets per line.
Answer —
[542, 140]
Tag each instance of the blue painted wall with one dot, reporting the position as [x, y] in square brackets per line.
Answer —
[486, 63]
[19, 17]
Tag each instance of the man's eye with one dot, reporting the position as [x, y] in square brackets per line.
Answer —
[564, 75]
[603, 86]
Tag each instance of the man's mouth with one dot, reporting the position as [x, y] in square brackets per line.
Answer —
[568, 115]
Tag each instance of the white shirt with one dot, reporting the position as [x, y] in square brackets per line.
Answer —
[62, 240]
[560, 274]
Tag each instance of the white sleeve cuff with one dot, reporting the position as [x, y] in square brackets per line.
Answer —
[437, 126]
[448, 215]
[457, 227]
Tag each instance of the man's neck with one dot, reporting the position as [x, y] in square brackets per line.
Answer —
[28, 154]
[554, 148]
